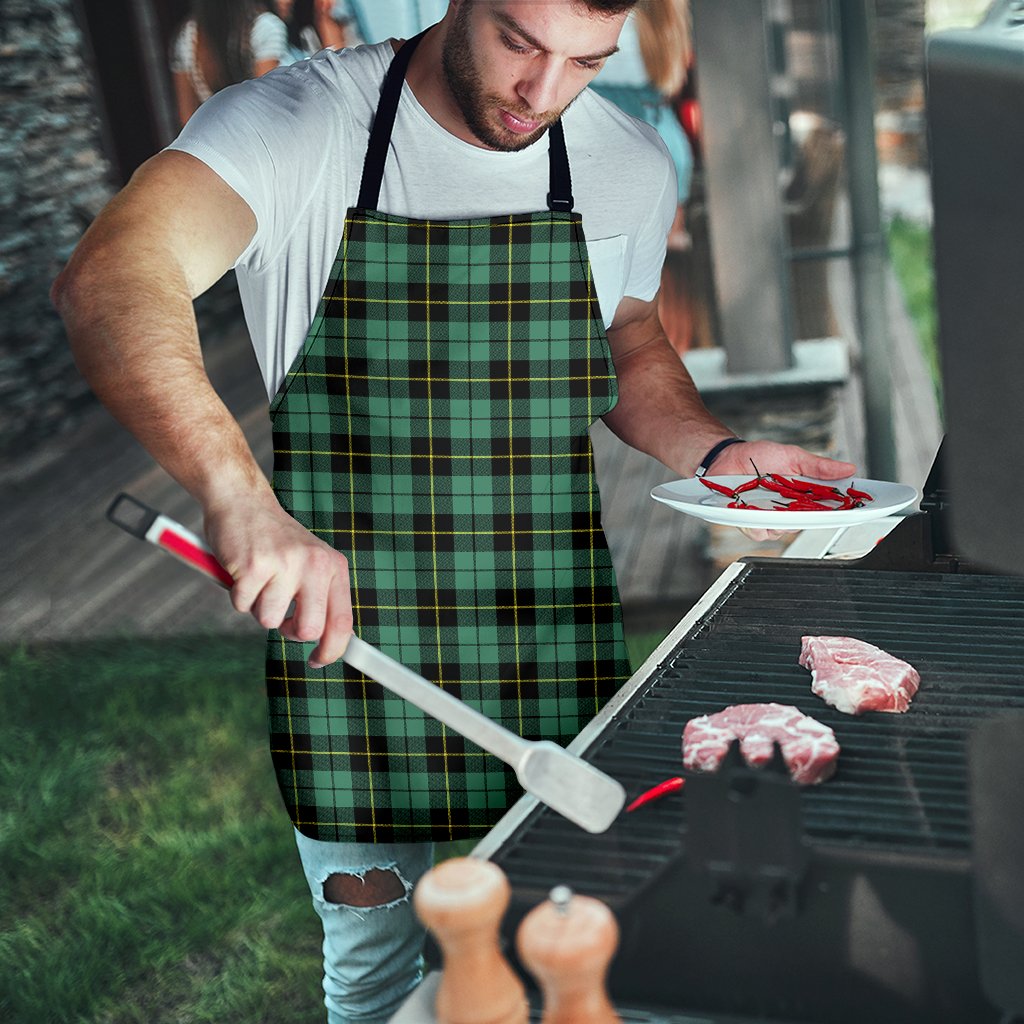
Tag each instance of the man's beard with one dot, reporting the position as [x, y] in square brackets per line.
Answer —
[464, 83]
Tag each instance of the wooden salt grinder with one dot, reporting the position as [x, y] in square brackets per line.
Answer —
[462, 902]
[567, 943]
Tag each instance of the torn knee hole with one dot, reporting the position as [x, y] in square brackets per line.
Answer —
[373, 889]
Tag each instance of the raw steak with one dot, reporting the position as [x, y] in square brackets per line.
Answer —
[809, 748]
[855, 677]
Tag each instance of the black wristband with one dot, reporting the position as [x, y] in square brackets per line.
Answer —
[705, 463]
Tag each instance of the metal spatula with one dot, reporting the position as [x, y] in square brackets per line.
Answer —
[568, 785]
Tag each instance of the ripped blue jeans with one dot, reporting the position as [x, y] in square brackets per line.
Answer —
[372, 954]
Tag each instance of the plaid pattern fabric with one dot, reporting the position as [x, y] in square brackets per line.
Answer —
[435, 429]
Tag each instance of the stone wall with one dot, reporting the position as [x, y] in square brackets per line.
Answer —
[54, 178]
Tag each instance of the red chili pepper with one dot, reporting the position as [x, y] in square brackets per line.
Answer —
[807, 505]
[656, 793]
[809, 487]
[770, 484]
[793, 485]
[862, 495]
[787, 492]
[728, 492]
[822, 490]
[749, 485]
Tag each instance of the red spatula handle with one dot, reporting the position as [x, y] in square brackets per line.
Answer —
[147, 524]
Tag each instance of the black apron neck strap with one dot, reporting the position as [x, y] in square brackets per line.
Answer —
[383, 123]
[560, 198]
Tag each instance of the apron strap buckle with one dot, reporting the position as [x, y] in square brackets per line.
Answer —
[559, 205]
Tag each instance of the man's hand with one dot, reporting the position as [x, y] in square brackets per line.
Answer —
[277, 566]
[772, 457]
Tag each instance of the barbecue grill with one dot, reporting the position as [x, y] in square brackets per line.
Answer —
[746, 897]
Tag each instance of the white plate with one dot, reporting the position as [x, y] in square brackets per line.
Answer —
[693, 498]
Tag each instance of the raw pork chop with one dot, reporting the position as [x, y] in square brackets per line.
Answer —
[855, 677]
[809, 748]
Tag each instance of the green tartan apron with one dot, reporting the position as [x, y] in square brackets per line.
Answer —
[434, 428]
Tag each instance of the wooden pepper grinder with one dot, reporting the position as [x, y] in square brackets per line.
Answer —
[462, 902]
[567, 943]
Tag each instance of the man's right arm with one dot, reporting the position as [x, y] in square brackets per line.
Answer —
[126, 300]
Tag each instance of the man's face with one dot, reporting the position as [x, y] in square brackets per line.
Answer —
[513, 66]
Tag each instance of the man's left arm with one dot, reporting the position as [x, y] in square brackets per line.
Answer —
[660, 411]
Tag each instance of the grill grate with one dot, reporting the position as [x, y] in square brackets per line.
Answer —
[901, 786]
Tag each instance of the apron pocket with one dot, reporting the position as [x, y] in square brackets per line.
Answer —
[608, 268]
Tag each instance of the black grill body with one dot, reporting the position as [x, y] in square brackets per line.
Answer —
[747, 897]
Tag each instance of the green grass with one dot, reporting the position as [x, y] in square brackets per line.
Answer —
[147, 868]
[910, 248]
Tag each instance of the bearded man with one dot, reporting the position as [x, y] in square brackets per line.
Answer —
[448, 253]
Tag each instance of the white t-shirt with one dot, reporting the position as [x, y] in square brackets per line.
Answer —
[292, 144]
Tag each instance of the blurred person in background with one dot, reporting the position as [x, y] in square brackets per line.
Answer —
[314, 25]
[647, 75]
[645, 78]
[221, 43]
[373, 21]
